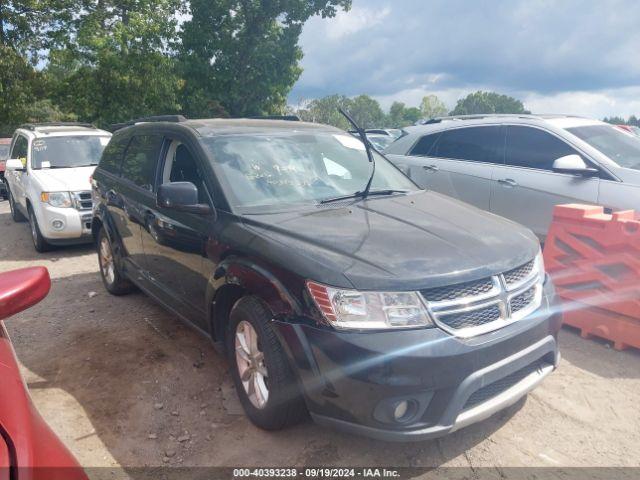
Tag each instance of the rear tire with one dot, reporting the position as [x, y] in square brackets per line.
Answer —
[39, 242]
[265, 383]
[16, 215]
[113, 280]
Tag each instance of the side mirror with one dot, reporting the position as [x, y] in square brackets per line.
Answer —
[181, 196]
[21, 289]
[15, 164]
[573, 164]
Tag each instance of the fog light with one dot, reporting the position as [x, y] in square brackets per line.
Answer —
[57, 224]
[400, 410]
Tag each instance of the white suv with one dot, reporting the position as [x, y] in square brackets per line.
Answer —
[48, 178]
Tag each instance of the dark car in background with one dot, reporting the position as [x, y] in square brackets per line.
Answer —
[5, 145]
[402, 314]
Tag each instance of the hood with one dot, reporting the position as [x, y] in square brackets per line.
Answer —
[64, 179]
[407, 242]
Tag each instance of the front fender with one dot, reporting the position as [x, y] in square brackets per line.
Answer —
[252, 278]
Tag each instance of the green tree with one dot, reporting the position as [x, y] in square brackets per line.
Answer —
[118, 63]
[488, 102]
[325, 110]
[432, 107]
[18, 85]
[402, 116]
[366, 111]
[27, 28]
[244, 54]
[615, 120]
[412, 115]
[395, 118]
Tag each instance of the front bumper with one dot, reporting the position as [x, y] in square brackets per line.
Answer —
[353, 380]
[75, 224]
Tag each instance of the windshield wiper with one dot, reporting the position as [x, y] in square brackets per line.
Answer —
[362, 195]
[368, 147]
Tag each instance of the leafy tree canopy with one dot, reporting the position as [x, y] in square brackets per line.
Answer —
[632, 120]
[488, 102]
[325, 110]
[244, 54]
[431, 107]
[117, 64]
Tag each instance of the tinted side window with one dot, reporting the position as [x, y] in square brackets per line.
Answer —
[424, 145]
[112, 156]
[534, 148]
[20, 148]
[181, 166]
[478, 144]
[139, 165]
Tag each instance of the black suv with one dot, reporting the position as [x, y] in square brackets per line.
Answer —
[402, 315]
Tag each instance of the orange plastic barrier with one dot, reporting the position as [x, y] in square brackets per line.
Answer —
[594, 260]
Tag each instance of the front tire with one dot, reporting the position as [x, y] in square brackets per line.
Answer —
[39, 242]
[266, 386]
[113, 280]
[16, 215]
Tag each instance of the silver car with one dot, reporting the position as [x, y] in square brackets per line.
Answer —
[520, 166]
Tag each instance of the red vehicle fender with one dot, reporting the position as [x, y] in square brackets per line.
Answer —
[30, 447]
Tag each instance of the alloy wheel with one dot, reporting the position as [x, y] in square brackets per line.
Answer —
[107, 264]
[251, 367]
[32, 224]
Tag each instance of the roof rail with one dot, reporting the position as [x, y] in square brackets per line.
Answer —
[288, 118]
[151, 119]
[491, 115]
[34, 126]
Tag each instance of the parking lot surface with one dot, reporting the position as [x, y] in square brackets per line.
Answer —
[125, 384]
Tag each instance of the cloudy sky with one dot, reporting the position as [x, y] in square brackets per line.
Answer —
[569, 56]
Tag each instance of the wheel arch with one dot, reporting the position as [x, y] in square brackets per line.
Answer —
[236, 277]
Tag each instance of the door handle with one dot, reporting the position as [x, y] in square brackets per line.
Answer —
[508, 182]
[431, 168]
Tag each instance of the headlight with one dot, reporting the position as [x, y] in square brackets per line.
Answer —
[57, 199]
[369, 310]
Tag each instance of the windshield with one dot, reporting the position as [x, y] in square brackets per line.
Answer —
[67, 152]
[621, 147]
[4, 152]
[271, 170]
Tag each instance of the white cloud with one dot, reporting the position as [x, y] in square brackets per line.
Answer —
[575, 56]
[623, 102]
[357, 19]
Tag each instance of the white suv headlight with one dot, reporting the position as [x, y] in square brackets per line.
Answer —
[351, 309]
[57, 199]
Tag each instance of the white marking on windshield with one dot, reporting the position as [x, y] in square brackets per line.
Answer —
[350, 142]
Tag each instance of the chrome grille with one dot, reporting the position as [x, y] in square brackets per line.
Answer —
[521, 301]
[472, 318]
[83, 200]
[461, 290]
[473, 308]
[517, 275]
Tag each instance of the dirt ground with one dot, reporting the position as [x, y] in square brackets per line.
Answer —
[124, 383]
